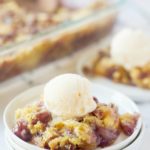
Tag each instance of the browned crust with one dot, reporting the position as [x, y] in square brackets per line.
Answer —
[49, 50]
[104, 66]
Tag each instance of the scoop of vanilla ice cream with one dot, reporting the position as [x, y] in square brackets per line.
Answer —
[69, 95]
[130, 48]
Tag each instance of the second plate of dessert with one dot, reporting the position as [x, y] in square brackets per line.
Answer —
[116, 67]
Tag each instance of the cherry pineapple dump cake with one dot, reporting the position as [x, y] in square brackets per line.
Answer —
[104, 66]
[100, 128]
[18, 25]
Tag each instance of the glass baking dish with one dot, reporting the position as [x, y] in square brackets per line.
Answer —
[57, 42]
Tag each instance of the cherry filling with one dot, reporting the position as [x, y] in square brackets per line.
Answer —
[22, 131]
[107, 136]
[95, 99]
[128, 123]
[104, 122]
[43, 116]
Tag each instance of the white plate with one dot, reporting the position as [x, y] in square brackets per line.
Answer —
[7, 142]
[10, 143]
[104, 94]
[135, 145]
[136, 93]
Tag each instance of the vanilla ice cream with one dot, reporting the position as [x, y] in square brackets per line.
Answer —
[131, 48]
[69, 95]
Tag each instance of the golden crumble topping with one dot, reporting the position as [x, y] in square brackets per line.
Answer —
[18, 24]
[100, 128]
[104, 66]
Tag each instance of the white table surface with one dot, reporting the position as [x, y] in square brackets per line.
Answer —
[11, 88]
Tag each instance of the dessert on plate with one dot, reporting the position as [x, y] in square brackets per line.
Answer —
[126, 61]
[69, 117]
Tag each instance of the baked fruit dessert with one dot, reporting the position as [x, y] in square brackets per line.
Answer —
[30, 38]
[72, 119]
[18, 23]
[126, 61]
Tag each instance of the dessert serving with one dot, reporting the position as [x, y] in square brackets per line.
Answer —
[30, 38]
[68, 116]
[126, 61]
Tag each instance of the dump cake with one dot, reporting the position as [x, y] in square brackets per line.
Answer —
[126, 61]
[18, 25]
[96, 125]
